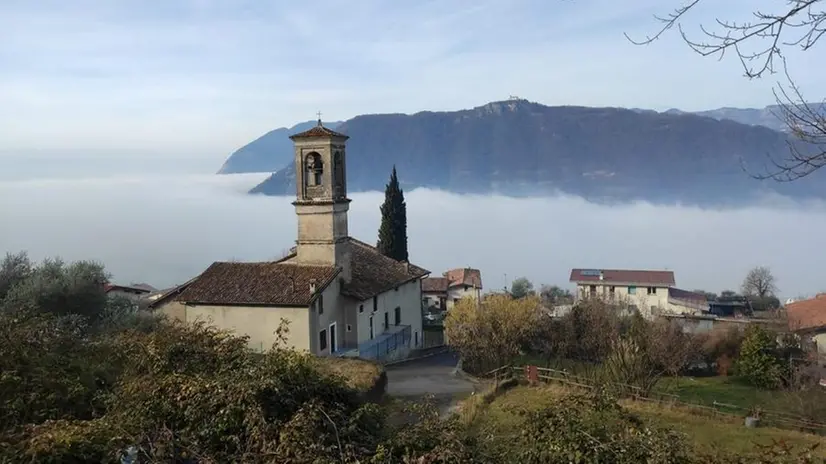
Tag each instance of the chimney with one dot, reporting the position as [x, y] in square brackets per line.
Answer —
[312, 286]
[820, 295]
[406, 266]
[601, 275]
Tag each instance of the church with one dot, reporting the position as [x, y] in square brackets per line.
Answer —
[339, 295]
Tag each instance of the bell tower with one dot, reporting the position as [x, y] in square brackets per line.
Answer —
[321, 202]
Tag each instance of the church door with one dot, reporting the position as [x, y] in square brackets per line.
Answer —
[333, 346]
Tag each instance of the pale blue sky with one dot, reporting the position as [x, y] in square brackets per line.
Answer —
[199, 78]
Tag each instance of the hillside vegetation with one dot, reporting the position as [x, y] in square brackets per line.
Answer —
[85, 378]
[518, 147]
[608, 425]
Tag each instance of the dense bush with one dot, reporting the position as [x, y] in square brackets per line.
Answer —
[85, 378]
[593, 428]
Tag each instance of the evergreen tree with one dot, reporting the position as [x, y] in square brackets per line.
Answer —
[393, 229]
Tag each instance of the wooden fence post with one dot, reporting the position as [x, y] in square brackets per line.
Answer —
[532, 373]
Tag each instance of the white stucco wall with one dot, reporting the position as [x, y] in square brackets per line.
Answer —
[407, 296]
[458, 292]
[640, 298]
[334, 312]
[259, 323]
[820, 339]
[432, 299]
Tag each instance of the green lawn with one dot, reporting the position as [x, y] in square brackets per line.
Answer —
[501, 419]
[728, 390]
[698, 390]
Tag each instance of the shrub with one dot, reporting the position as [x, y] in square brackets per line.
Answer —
[757, 363]
[594, 428]
[49, 371]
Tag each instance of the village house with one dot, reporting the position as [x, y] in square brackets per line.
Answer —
[133, 292]
[441, 293]
[807, 318]
[339, 295]
[649, 292]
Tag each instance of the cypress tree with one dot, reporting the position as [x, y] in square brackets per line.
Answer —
[393, 229]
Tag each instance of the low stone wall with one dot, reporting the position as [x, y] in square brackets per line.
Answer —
[375, 394]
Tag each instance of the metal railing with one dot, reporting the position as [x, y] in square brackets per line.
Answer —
[378, 349]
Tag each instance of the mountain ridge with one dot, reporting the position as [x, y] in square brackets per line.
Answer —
[518, 147]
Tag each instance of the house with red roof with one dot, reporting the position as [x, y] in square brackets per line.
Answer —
[651, 292]
[807, 318]
[339, 296]
[443, 292]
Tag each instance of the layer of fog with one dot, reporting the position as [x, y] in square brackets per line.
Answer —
[165, 229]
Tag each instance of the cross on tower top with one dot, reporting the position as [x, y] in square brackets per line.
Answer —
[319, 118]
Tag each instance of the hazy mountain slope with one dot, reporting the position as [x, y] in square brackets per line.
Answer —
[269, 152]
[770, 116]
[524, 148]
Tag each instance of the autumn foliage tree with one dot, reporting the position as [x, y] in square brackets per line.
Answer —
[494, 331]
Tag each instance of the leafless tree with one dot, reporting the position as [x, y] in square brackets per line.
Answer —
[759, 282]
[759, 44]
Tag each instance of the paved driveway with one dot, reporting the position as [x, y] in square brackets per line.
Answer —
[434, 375]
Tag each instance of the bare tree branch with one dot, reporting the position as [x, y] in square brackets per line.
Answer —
[759, 44]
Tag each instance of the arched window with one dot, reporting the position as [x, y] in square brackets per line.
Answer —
[313, 170]
[338, 174]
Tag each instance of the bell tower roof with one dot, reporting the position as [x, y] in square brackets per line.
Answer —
[318, 131]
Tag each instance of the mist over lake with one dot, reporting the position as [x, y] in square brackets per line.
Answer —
[165, 229]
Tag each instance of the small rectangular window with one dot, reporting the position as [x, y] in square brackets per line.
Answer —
[375, 303]
[652, 290]
[349, 328]
[322, 340]
[398, 315]
[361, 308]
[386, 320]
[320, 304]
[632, 290]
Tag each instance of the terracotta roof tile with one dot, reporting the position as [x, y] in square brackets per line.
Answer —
[267, 283]
[465, 276]
[318, 131]
[373, 273]
[665, 278]
[807, 314]
[435, 284]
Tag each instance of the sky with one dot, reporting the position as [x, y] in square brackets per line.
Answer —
[164, 230]
[133, 85]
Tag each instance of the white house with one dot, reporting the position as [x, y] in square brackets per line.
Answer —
[643, 290]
